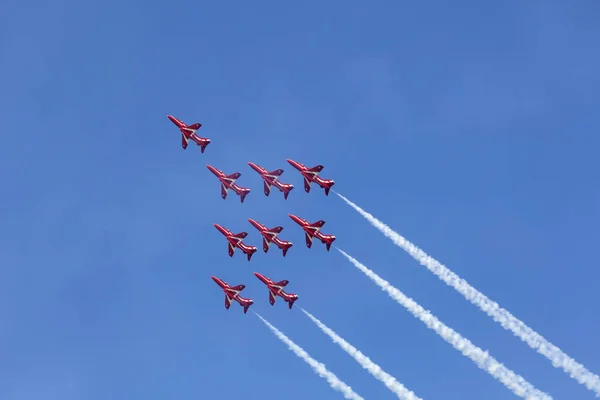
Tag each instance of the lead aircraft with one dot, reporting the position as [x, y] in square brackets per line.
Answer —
[233, 293]
[312, 175]
[276, 289]
[313, 230]
[235, 240]
[272, 179]
[189, 132]
[228, 182]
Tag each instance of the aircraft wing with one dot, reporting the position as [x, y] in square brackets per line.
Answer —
[307, 185]
[318, 224]
[267, 188]
[233, 176]
[266, 244]
[238, 288]
[271, 297]
[281, 283]
[227, 302]
[277, 172]
[193, 127]
[308, 239]
[224, 190]
[241, 235]
[184, 141]
[231, 249]
[316, 168]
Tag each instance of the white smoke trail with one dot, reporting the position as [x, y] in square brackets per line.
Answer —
[512, 381]
[508, 321]
[389, 381]
[319, 368]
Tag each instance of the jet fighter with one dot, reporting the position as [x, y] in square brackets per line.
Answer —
[313, 231]
[312, 175]
[228, 182]
[270, 236]
[272, 179]
[276, 289]
[189, 132]
[233, 293]
[235, 240]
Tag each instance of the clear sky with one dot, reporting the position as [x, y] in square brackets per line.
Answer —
[471, 129]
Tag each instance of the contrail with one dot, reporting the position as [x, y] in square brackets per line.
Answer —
[389, 381]
[508, 321]
[319, 368]
[512, 381]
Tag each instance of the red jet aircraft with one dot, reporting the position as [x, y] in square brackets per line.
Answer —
[228, 182]
[189, 132]
[276, 289]
[312, 175]
[233, 293]
[270, 236]
[235, 240]
[313, 231]
[272, 179]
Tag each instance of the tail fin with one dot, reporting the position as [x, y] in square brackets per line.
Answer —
[286, 247]
[327, 186]
[247, 305]
[244, 194]
[291, 301]
[251, 252]
[286, 190]
[328, 241]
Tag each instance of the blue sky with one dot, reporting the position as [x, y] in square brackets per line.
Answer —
[471, 129]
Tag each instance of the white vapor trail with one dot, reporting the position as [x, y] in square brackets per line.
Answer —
[389, 381]
[517, 384]
[319, 368]
[508, 321]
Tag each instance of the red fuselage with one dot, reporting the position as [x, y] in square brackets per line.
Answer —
[272, 179]
[235, 240]
[276, 289]
[312, 175]
[233, 293]
[228, 182]
[313, 231]
[188, 132]
[270, 236]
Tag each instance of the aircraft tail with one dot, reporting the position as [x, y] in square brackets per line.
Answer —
[247, 305]
[251, 251]
[286, 247]
[244, 193]
[290, 300]
[327, 186]
[329, 241]
[287, 188]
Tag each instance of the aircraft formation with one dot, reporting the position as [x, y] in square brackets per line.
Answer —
[269, 235]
